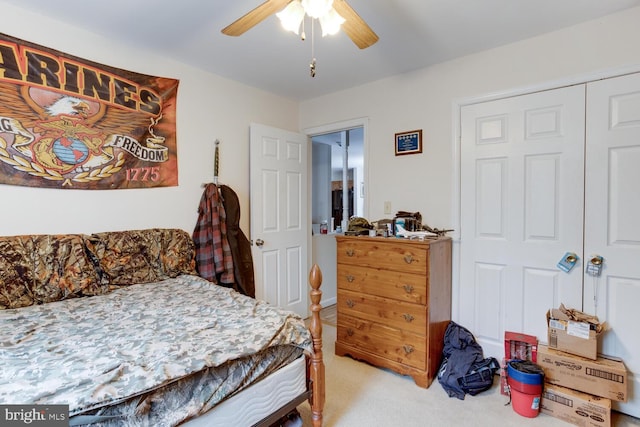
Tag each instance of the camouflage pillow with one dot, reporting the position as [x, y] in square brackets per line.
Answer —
[178, 253]
[62, 270]
[16, 271]
[127, 257]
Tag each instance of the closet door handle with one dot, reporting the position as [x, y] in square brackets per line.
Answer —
[571, 258]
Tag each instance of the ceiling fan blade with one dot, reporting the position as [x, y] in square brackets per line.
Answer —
[354, 26]
[253, 18]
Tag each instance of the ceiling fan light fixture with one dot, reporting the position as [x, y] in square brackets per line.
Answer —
[331, 22]
[354, 26]
[317, 8]
[291, 16]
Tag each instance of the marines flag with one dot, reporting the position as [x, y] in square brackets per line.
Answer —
[66, 122]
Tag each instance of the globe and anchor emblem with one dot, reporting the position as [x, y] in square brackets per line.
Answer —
[67, 144]
[71, 151]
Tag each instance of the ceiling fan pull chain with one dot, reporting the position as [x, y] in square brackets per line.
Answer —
[312, 65]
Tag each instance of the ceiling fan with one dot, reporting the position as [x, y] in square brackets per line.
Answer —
[354, 26]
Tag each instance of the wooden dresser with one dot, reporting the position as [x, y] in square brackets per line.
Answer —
[394, 302]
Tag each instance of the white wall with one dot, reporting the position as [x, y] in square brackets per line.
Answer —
[209, 107]
[321, 182]
[325, 250]
[424, 182]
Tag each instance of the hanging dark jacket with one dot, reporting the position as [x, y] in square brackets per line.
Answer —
[240, 245]
[460, 352]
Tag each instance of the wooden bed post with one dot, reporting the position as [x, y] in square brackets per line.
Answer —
[317, 363]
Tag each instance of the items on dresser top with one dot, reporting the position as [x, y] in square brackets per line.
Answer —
[394, 302]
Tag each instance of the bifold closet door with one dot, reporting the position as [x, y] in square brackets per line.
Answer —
[522, 177]
[612, 219]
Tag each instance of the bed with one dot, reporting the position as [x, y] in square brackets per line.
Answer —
[119, 327]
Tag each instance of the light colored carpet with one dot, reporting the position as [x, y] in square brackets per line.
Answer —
[360, 395]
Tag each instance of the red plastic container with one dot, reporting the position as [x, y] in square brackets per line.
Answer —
[525, 389]
[527, 405]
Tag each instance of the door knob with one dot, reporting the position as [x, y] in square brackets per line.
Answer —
[594, 267]
[568, 261]
[259, 243]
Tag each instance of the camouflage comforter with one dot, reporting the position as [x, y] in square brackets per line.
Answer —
[96, 351]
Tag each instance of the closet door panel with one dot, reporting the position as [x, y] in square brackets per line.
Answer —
[612, 219]
[522, 161]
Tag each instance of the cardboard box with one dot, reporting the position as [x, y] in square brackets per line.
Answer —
[602, 377]
[516, 346]
[567, 334]
[577, 408]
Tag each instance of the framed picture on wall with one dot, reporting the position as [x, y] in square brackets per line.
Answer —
[409, 142]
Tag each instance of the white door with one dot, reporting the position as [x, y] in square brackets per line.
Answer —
[612, 219]
[279, 216]
[521, 201]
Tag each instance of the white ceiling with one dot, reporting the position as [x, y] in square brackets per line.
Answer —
[413, 34]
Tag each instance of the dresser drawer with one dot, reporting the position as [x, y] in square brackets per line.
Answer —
[384, 283]
[384, 253]
[397, 314]
[381, 340]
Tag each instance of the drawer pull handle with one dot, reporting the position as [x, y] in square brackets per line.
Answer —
[350, 332]
[408, 288]
[350, 303]
[408, 258]
[408, 317]
[350, 252]
[350, 278]
[408, 349]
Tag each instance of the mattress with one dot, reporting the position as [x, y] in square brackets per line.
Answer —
[256, 402]
[196, 394]
[120, 349]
